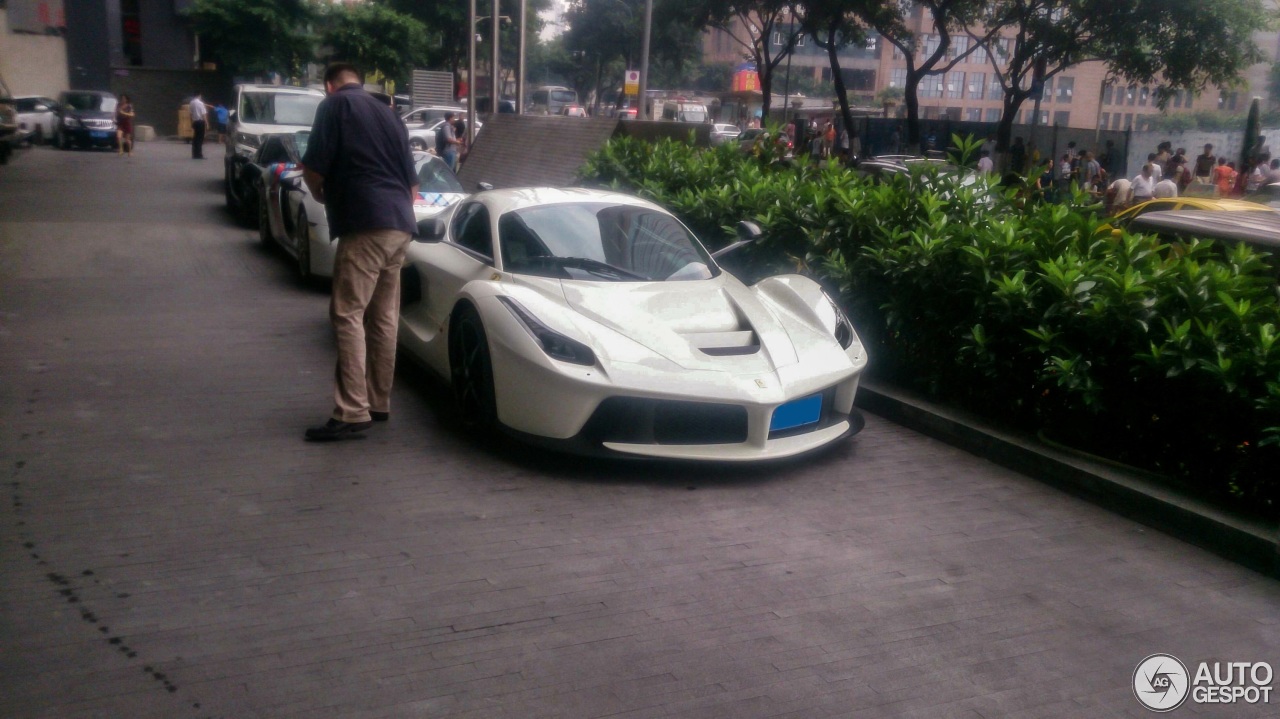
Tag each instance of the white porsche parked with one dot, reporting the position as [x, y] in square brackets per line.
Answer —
[596, 322]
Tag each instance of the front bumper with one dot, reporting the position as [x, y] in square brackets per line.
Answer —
[90, 136]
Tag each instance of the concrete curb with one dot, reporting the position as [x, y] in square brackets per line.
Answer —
[1143, 497]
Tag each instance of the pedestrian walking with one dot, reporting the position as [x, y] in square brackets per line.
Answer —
[359, 165]
[199, 113]
[985, 165]
[124, 126]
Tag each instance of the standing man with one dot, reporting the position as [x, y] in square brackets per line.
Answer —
[1205, 164]
[451, 142]
[359, 165]
[199, 115]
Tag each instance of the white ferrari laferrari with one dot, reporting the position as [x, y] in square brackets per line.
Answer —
[596, 322]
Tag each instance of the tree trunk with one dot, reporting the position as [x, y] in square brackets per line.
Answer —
[912, 101]
[595, 108]
[766, 85]
[833, 55]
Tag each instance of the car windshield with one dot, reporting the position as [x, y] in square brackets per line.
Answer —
[694, 114]
[567, 96]
[300, 140]
[435, 176]
[90, 102]
[278, 108]
[601, 241]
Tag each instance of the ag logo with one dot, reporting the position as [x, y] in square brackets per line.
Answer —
[1161, 682]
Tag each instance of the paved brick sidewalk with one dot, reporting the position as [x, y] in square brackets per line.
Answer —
[169, 547]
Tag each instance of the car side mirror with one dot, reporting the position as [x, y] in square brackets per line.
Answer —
[748, 233]
[430, 230]
[484, 185]
[748, 230]
[231, 116]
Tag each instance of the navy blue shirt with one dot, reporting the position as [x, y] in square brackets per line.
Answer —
[362, 150]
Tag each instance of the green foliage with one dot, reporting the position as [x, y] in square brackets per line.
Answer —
[254, 37]
[376, 39]
[1161, 355]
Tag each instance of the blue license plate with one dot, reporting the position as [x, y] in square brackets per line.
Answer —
[99, 134]
[797, 413]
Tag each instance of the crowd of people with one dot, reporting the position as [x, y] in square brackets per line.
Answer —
[1167, 173]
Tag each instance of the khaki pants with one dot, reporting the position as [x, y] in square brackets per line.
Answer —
[365, 310]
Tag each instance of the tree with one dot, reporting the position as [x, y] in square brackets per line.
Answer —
[833, 25]
[376, 39]
[766, 30]
[1142, 41]
[254, 37]
[950, 18]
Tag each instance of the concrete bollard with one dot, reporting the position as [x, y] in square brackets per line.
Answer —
[143, 133]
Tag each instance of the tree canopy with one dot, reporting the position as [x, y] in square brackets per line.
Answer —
[376, 39]
[254, 37]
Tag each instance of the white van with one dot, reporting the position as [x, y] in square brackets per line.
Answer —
[681, 111]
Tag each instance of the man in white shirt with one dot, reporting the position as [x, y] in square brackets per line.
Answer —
[198, 123]
[985, 165]
[1165, 188]
[1144, 185]
[1119, 194]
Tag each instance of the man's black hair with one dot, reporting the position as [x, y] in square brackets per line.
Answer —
[336, 69]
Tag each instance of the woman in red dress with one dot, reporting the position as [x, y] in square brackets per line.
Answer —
[124, 126]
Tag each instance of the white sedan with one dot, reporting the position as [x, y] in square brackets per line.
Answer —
[596, 322]
[288, 215]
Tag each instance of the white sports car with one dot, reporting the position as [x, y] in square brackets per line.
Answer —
[290, 216]
[596, 322]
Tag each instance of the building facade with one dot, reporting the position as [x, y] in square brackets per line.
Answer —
[1084, 96]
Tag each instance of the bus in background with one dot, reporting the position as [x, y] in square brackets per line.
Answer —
[551, 99]
[682, 111]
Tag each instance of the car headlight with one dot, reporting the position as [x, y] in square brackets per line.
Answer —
[69, 121]
[556, 345]
[840, 325]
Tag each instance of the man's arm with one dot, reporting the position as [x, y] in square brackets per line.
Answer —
[315, 183]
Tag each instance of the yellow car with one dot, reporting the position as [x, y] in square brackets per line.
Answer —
[1211, 204]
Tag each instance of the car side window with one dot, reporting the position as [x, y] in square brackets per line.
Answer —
[471, 229]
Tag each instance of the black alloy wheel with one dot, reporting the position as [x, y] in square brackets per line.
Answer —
[472, 370]
[302, 243]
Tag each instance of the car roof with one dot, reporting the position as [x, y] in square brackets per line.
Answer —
[1256, 228]
[518, 198]
[280, 88]
[99, 93]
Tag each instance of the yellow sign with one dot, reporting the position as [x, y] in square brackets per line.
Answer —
[632, 85]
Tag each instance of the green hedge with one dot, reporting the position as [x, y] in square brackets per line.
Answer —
[1163, 356]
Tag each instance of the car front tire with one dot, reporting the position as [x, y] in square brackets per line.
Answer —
[471, 369]
[264, 222]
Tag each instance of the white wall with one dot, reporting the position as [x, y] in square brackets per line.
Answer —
[1231, 143]
[32, 64]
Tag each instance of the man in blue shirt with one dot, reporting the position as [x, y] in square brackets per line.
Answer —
[359, 165]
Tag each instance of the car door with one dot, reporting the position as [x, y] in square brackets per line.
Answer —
[443, 269]
[273, 159]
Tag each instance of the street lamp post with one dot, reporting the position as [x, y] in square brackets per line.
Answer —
[520, 59]
[643, 113]
[494, 70]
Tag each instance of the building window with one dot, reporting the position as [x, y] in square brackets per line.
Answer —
[898, 77]
[929, 113]
[979, 55]
[1108, 92]
[1066, 88]
[897, 52]
[1046, 91]
[1104, 121]
[931, 43]
[873, 43]
[977, 85]
[1062, 117]
[1128, 121]
[1177, 99]
[959, 45]
[993, 114]
[994, 91]
[777, 38]
[1227, 102]
[1115, 120]
[1004, 49]
[1143, 95]
[1131, 95]
[973, 114]
[955, 84]
[800, 39]
[932, 86]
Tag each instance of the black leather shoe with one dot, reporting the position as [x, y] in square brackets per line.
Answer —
[379, 416]
[336, 429]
